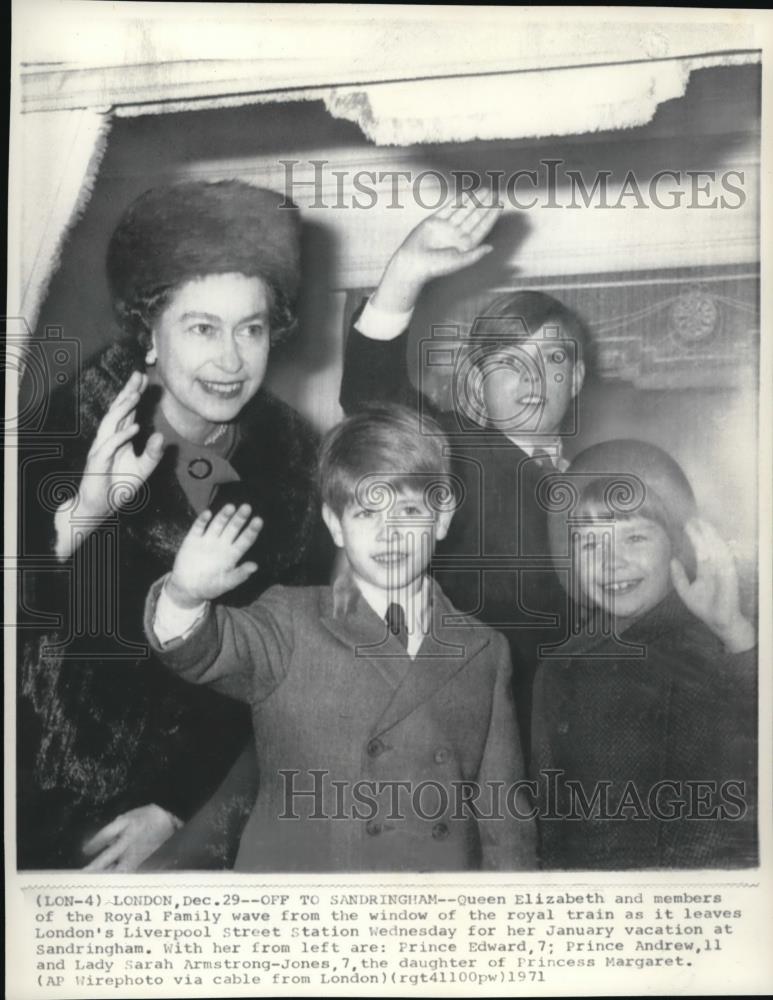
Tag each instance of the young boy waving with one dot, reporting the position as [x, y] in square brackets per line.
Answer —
[384, 726]
[516, 379]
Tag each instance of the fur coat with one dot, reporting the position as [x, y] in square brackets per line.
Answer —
[102, 726]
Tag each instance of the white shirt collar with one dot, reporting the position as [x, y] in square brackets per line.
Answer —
[552, 445]
[415, 604]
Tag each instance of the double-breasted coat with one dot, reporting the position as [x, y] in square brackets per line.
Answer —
[342, 716]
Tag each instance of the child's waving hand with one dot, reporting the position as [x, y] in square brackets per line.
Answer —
[713, 594]
[446, 241]
[206, 565]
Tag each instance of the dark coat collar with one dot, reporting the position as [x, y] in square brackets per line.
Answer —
[669, 617]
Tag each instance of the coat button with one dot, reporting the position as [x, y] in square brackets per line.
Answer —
[373, 827]
[563, 728]
[441, 755]
[439, 831]
[375, 747]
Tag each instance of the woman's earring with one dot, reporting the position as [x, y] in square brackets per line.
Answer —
[151, 357]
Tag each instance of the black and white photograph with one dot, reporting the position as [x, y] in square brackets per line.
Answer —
[388, 529]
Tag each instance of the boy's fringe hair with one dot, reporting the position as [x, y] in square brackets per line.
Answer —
[381, 450]
[623, 479]
[517, 316]
[594, 504]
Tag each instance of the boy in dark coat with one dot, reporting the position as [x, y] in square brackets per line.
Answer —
[516, 381]
[645, 719]
[375, 704]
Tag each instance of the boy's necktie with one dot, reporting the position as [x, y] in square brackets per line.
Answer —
[395, 619]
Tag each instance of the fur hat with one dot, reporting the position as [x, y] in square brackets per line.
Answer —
[188, 230]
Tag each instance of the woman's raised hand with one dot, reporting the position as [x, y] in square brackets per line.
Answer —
[114, 473]
[207, 562]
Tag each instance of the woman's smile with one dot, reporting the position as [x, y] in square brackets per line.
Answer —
[212, 342]
[228, 390]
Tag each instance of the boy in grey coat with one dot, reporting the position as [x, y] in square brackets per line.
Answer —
[384, 725]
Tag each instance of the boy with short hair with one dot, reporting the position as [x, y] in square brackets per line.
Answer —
[383, 719]
[515, 385]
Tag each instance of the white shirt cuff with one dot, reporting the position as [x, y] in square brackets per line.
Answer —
[378, 324]
[62, 529]
[173, 622]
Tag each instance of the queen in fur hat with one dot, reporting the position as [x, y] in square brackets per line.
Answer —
[174, 419]
[185, 231]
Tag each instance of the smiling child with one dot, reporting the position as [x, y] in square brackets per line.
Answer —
[364, 693]
[644, 729]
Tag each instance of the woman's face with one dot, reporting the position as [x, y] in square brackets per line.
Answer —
[212, 344]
